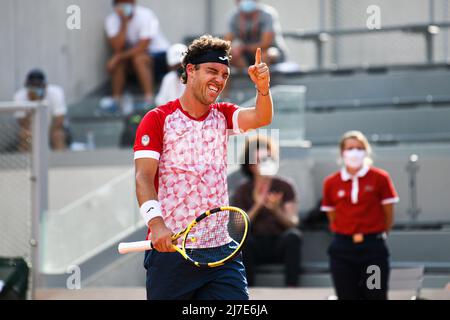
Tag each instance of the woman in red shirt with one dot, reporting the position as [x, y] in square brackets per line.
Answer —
[359, 202]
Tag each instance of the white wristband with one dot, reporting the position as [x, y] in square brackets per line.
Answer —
[149, 210]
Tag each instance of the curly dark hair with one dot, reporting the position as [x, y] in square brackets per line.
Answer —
[199, 46]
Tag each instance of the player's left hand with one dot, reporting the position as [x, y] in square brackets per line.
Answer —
[259, 74]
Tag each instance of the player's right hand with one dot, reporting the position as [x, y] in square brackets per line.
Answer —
[160, 235]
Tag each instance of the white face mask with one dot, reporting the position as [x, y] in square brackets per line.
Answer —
[247, 6]
[268, 167]
[354, 158]
[127, 9]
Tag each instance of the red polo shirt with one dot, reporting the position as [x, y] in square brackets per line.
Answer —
[358, 201]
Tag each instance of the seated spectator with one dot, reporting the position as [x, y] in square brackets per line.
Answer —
[37, 89]
[171, 87]
[254, 25]
[272, 206]
[138, 45]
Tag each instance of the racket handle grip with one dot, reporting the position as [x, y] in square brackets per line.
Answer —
[139, 246]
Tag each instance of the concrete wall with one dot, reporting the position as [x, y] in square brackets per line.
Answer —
[179, 18]
[34, 34]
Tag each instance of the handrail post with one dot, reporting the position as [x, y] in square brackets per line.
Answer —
[412, 168]
[39, 188]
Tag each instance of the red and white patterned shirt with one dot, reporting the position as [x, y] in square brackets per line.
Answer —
[192, 154]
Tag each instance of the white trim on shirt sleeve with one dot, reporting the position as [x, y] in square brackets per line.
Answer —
[390, 200]
[112, 25]
[326, 208]
[149, 28]
[20, 96]
[236, 128]
[146, 154]
[58, 101]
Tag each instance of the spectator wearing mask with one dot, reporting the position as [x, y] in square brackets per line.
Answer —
[37, 89]
[138, 46]
[255, 25]
[272, 205]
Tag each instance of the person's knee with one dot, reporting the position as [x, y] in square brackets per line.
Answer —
[118, 68]
[58, 138]
[238, 55]
[236, 52]
[293, 235]
[292, 239]
[24, 134]
[141, 60]
[272, 55]
[24, 140]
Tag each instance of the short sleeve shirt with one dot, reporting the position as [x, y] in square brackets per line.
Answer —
[143, 25]
[192, 154]
[358, 201]
[54, 96]
[267, 21]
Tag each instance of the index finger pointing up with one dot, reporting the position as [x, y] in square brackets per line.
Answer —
[258, 56]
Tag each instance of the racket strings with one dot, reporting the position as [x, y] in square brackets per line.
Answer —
[216, 237]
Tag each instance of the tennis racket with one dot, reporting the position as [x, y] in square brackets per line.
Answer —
[213, 238]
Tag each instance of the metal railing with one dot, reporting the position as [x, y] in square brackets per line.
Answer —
[427, 30]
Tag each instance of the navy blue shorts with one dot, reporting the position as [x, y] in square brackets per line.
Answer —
[171, 277]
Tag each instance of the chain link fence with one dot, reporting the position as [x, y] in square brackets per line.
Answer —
[22, 182]
[15, 190]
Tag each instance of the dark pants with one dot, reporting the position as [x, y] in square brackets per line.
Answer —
[274, 249]
[171, 277]
[354, 268]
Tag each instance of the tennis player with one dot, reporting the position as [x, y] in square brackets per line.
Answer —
[180, 159]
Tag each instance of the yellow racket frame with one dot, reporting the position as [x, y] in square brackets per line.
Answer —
[185, 232]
